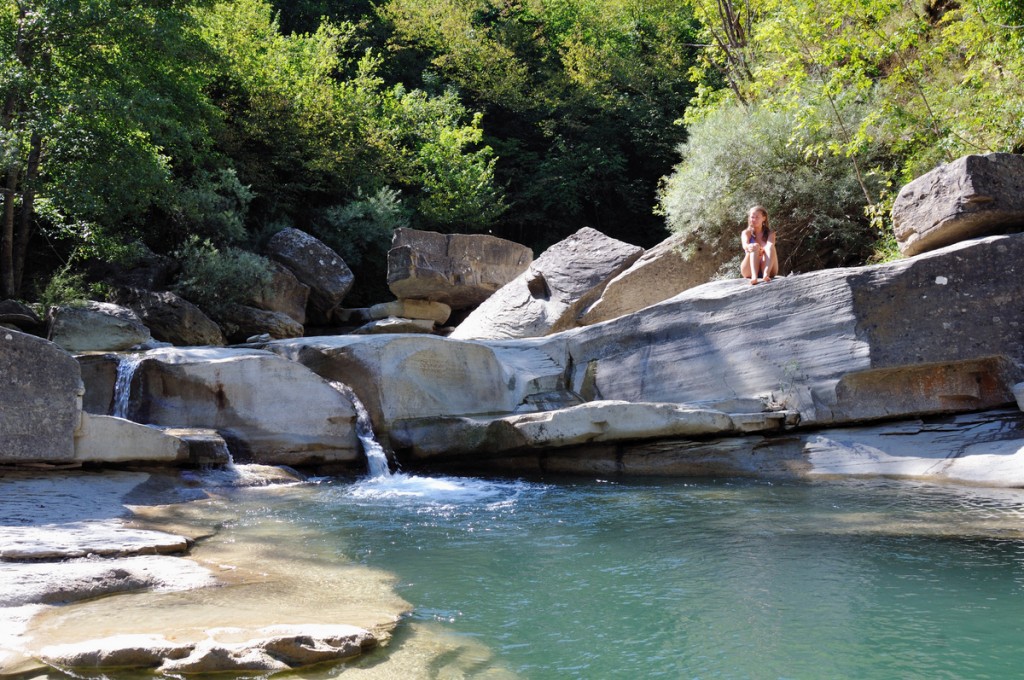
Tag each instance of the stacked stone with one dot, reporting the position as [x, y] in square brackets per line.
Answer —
[435, 275]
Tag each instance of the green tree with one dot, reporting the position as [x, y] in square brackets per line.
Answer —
[311, 123]
[99, 102]
[579, 97]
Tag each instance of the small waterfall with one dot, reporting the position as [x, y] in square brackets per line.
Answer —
[122, 386]
[376, 457]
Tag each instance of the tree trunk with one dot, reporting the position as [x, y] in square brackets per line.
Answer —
[7, 121]
[7, 236]
[25, 219]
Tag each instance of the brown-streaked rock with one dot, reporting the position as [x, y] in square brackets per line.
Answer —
[270, 410]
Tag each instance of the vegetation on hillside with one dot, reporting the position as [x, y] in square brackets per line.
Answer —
[173, 122]
[822, 110]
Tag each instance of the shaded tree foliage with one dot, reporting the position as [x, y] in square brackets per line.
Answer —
[579, 99]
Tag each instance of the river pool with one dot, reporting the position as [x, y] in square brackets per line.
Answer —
[729, 578]
[684, 579]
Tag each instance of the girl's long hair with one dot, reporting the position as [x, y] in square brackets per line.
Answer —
[765, 229]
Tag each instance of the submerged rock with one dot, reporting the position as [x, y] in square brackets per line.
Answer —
[275, 648]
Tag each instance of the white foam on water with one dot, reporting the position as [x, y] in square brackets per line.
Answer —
[419, 490]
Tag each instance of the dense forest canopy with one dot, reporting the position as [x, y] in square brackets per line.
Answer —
[199, 128]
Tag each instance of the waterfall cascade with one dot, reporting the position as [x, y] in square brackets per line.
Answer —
[376, 457]
[122, 386]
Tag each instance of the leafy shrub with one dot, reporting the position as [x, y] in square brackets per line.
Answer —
[360, 231]
[215, 277]
[736, 158]
[65, 288]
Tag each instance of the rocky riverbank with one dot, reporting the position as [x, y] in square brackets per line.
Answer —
[912, 368]
[72, 539]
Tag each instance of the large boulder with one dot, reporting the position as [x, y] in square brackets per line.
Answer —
[285, 294]
[460, 270]
[241, 322]
[40, 393]
[932, 334]
[554, 289]
[970, 197]
[660, 273]
[269, 410]
[20, 316]
[316, 265]
[96, 327]
[405, 376]
[171, 318]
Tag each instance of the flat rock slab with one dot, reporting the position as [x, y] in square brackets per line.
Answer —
[978, 449]
[591, 422]
[274, 648]
[86, 538]
[28, 583]
[67, 516]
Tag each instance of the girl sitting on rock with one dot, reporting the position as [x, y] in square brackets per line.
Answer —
[758, 240]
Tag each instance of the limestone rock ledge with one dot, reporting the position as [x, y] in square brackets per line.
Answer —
[981, 449]
[270, 649]
[592, 422]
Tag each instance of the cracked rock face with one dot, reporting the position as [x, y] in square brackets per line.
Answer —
[973, 196]
[554, 289]
[274, 648]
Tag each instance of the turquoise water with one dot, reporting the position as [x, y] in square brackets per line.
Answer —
[683, 579]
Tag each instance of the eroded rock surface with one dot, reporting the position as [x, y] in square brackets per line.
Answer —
[459, 270]
[973, 196]
[40, 388]
[97, 327]
[553, 290]
[276, 648]
[271, 410]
